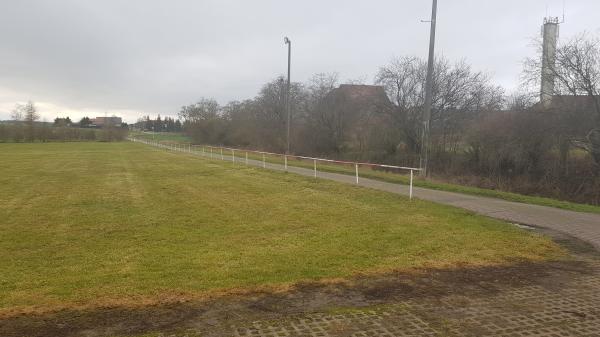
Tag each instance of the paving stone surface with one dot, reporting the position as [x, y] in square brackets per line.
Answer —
[553, 307]
[571, 310]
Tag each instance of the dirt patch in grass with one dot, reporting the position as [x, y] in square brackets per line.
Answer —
[212, 316]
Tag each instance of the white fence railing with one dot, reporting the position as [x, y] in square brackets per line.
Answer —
[229, 154]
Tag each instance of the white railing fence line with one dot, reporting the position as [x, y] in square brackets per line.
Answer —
[209, 151]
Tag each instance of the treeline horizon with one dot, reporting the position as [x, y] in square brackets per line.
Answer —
[158, 124]
[25, 126]
[480, 136]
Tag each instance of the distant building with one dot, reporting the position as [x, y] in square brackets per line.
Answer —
[107, 121]
[549, 100]
[549, 40]
[576, 103]
[359, 98]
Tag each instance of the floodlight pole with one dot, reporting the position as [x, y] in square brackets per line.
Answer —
[425, 141]
[287, 41]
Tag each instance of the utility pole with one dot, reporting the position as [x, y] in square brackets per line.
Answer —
[287, 95]
[428, 95]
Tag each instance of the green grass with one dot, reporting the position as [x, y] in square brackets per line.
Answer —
[175, 137]
[527, 199]
[90, 224]
[401, 177]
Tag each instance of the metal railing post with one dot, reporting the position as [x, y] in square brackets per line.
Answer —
[356, 166]
[246, 158]
[410, 189]
[233, 156]
[222, 158]
[285, 160]
[315, 162]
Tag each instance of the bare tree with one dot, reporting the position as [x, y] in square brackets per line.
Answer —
[203, 121]
[520, 101]
[576, 73]
[403, 79]
[459, 94]
[30, 113]
[17, 113]
[204, 109]
[320, 85]
[316, 133]
[30, 116]
[271, 114]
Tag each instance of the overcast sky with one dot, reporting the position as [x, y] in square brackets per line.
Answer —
[125, 57]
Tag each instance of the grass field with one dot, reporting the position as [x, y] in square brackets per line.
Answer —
[176, 137]
[93, 224]
[401, 177]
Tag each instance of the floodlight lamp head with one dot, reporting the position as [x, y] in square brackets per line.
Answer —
[286, 40]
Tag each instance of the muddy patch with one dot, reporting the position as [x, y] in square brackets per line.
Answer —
[219, 315]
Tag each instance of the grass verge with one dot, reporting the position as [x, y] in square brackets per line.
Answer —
[161, 136]
[402, 178]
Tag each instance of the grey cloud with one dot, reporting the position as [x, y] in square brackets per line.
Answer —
[154, 56]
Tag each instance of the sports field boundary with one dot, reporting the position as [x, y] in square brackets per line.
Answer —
[229, 154]
[581, 225]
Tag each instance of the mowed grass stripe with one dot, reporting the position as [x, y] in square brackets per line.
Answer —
[96, 223]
